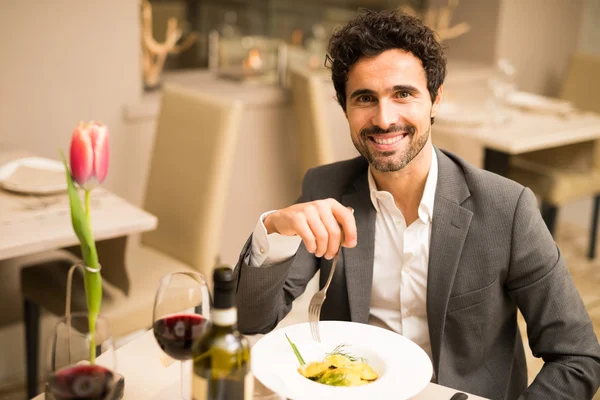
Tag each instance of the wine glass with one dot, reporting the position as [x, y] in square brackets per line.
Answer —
[181, 314]
[502, 84]
[69, 372]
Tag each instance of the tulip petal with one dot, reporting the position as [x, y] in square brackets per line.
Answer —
[99, 136]
[81, 154]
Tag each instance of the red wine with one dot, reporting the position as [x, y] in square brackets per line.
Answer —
[81, 382]
[176, 334]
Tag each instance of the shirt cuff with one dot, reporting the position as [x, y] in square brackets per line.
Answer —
[271, 249]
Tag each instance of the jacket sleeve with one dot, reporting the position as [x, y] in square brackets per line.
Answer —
[558, 326]
[265, 294]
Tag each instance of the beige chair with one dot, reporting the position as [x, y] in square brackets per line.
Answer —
[189, 176]
[562, 174]
[310, 108]
[187, 188]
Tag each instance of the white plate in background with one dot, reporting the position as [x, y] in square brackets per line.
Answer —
[47, 167]
[534, 102]
[451, 113]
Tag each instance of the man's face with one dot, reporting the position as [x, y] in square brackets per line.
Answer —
[389, 108]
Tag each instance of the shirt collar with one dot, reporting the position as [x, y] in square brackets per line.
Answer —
[426, 206]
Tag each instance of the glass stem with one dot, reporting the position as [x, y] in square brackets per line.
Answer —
[184, 389]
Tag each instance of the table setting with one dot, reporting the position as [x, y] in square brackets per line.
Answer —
[159, 363]
[404, 370]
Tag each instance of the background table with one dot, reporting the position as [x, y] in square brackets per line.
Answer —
[523, 132]
[31, 224]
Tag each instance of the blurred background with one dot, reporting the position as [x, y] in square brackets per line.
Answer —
[70, 60]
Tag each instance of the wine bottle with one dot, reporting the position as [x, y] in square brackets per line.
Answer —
[222, 354]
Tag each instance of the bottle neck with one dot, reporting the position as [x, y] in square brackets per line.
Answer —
[224, 317]
[223, 311]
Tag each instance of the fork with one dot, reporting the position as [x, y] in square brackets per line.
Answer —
[316, 302]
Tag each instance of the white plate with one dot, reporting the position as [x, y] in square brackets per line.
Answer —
[43, 164]
[404, 368]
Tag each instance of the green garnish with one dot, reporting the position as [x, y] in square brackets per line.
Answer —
[296, 352]
[333, 379]
[340, 350]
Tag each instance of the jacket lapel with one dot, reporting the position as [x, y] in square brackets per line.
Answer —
[450, 224]
[358, 262]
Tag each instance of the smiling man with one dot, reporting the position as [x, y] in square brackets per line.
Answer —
[435, 249]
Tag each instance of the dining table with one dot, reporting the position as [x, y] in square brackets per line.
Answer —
[151, 375]
[32, 223]
[506, 130]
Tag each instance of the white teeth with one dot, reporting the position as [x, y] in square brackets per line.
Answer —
[388, 141]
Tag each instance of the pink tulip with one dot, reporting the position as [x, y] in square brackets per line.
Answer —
[89, 154]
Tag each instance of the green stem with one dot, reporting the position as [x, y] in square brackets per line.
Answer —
[92, 316]
[88, 197]
[92, 280]
[92, 322]
[296, 352]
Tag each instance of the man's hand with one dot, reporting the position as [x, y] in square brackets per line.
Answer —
[318, 223]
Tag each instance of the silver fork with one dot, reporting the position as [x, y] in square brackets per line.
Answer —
[314, 308]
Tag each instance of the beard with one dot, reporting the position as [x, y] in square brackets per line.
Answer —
[390, 161]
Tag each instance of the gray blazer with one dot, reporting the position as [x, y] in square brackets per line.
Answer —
[490, 253]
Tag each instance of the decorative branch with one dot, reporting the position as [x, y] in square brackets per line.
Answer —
[439, 20]
[154, 54]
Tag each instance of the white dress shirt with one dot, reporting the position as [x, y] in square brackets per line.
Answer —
[401, 259]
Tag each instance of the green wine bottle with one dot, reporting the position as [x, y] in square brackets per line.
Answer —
[222, 354]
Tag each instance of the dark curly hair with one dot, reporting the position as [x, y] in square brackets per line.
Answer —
[371, 33]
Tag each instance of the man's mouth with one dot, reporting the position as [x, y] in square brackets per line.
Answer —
[387, 140]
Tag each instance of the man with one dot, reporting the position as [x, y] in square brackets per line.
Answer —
[436, 249]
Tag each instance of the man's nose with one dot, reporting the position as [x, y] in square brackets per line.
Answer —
[385, 116]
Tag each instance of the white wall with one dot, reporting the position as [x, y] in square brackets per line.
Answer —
[62, 61]
[589, 37]
[65, 61]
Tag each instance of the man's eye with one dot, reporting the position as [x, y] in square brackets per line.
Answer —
[365, 98]
[403, 94]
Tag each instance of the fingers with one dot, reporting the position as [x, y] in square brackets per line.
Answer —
[322, 225]
[339, 224]
[314, 217]
[345, 218]
[334, 231]
[303, 229]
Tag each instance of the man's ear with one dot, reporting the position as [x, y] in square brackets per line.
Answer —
[438, 100]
